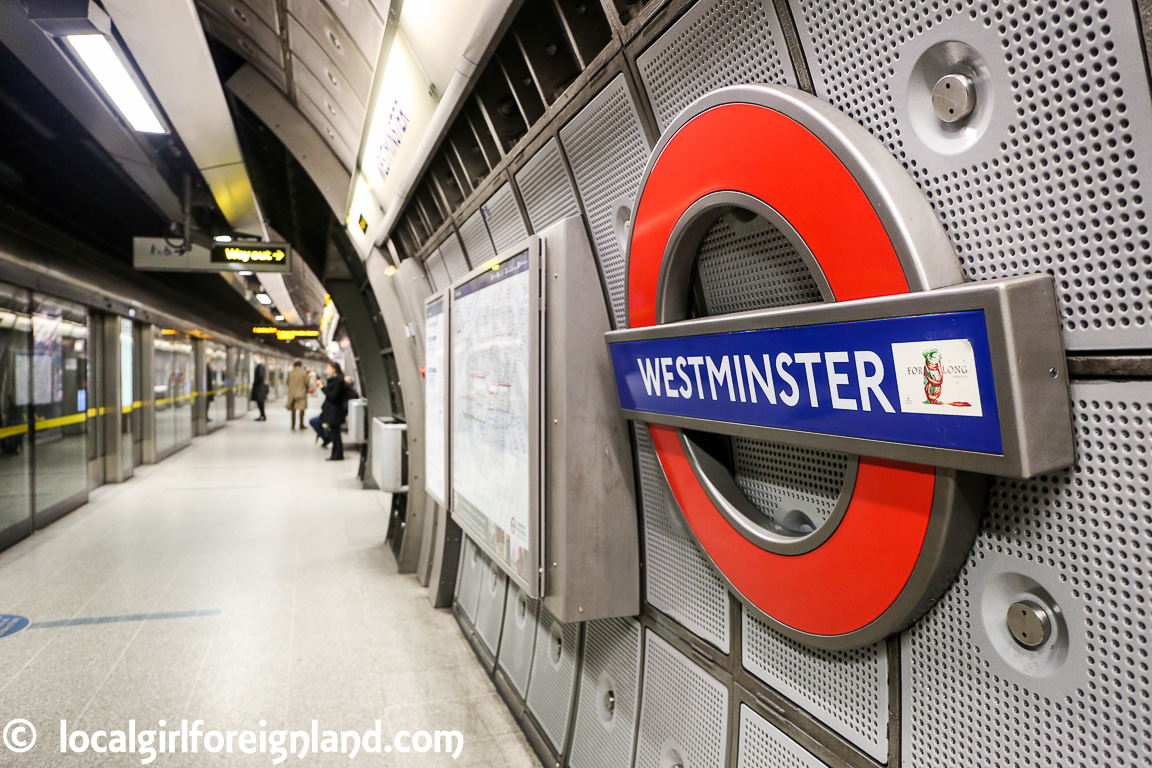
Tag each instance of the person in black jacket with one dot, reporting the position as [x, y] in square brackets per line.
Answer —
[259, 391]
[332, 412]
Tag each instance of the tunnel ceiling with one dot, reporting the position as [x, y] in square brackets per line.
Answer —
[60, 191]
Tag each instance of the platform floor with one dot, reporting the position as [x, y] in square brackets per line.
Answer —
[300, 613]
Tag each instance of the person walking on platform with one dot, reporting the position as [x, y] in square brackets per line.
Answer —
[259, 391]
[297, 384]
[332, 412]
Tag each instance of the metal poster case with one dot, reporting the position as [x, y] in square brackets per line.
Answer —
[495, 432]
[436, 391]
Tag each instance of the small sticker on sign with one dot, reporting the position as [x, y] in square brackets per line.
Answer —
[937, 377]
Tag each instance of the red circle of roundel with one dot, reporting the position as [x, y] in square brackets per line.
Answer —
[856, 575]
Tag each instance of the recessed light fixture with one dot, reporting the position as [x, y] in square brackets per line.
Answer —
[264, 299]
[223, 238]
[101, 60]
[279, 318]
[245, 273]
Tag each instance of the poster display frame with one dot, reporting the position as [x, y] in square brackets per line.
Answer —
[531, 580]
[443, 493]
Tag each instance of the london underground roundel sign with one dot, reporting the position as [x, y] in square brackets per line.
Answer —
[929, 384]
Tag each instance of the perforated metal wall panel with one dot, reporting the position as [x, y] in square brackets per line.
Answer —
[607, 150]
[317, 58]
[436, 271]
[254, 23]
[361, 21]
[1051, 169]
[490, 608]
[763, 745]
[264, 10]
[245, 48]
[470, 579]
[680, 581]
[609, 686]
[683, 711]
[553, 682]
[846, 690]
[716, 43]
[314, 19]
[545, 188]
[306, 53]
[477, 243]
[307, 81]
[324, 127]
[454, 257]
[505, 223]
[1080, 541]
[518, 638]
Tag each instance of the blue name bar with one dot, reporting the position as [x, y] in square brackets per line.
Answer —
[925, 380]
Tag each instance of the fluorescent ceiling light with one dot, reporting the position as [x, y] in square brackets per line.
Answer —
[244, 272]
[97, 54]
[263, 298]
[223, 238]
[279, 318]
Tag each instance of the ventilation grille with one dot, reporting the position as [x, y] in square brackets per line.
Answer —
[517, 639]
[490, 609]
[1086, 533]
[468, 583]
[607, 148]
[544, 186]
[683, 711]
[777, 478]
[717, 43]
[603, 738]
[680, 581]
[454, 258]
[1057, 183]
[477, 243]
[763, 745]
[505, 223]
[553, 682]
[437, 272]
[845, 690]
[746, 266]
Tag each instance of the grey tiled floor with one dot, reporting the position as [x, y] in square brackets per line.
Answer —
[313, 623]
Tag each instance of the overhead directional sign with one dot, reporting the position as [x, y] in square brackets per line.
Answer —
[156, 254]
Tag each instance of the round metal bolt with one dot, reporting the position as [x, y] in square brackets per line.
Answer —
[953, 98]
[609, 701]
[1029, 623]
[1052, 372]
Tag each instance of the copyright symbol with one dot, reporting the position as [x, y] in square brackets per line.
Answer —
[19, 736]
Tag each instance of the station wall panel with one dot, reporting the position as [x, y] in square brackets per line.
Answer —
[763, 745]
[454, 257]
[607, 149]
[846, 690]
[1050, 172]
[550, 691]
[436, 270]
[470, 579]
[505, 224]
[490, 605]
[716, 43]
[683, 711]
[1079, 544]
[518, 639]
[477, 243]
[609, 694]
[544, 186]
[679, 579]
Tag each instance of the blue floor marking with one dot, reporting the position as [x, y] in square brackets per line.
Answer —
[119, 619]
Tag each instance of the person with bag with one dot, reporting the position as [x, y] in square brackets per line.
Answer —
[297, 385]
[332, 412]
[259, 392]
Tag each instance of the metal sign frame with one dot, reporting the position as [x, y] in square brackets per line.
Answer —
[441, 495]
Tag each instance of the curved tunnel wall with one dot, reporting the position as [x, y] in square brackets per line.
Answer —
[1051, 183]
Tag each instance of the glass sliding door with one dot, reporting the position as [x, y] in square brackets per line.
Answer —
[127, 394]
[173, 375]
[216, 386]
[15, 412]
[60, 388]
